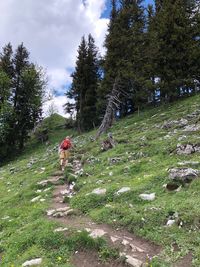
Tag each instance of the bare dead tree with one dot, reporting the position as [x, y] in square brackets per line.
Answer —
[113, 104]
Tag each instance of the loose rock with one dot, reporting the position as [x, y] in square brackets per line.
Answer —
[60, 230]
[132, 261]
[32, 262]
[185, 175]
[185, 149]
[99, 191]
[149, 197]
[123, 190]
[97, 233]
[35, 199]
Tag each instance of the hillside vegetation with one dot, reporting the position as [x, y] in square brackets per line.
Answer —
[145, 152]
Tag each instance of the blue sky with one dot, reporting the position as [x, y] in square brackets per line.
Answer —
[106, 12]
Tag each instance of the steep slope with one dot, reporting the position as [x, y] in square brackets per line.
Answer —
[146, 150]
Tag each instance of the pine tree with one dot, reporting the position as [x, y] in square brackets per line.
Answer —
[22, 87]
[79, 82]
[150, 54]
[132, 40]
[110, 62]
[176, 43]
[5, 88]
[20, 61]
[6, 60]
[92, 64]
[29, 106]
[84, 85]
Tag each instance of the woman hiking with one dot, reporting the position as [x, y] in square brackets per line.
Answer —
[64, 154]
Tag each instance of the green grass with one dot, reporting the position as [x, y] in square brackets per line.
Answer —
[145, 151]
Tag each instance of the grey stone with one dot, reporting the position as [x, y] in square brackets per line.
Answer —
[149, 197]
[35, 199]
[123, 190]
[99, 191]
[183, 174]
[60, 229]
[191, 128]
[169, 124]
[185, 149]
[97, 233]
[186, 163]
[33, 262]
[132, 261]
[170, 223]
[50, 212]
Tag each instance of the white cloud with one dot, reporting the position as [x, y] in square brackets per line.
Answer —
[57, 102]
[52, 30]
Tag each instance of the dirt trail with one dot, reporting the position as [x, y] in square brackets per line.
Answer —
[136, 250]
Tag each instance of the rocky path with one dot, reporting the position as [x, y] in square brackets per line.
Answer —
[136, 251]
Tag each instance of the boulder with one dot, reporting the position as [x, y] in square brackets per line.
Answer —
[132, 261]
[169, 124]
[185, 149]
[184, 175]
[191, 128]
[32, 262]
[170, 222]
[99, 191]
[123, 190]
[149, 197]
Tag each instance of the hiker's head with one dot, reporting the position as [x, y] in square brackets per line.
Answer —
[67, 137]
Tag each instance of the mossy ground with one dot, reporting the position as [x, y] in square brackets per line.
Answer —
[145, 152]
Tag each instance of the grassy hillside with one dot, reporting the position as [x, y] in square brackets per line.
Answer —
[144, 152]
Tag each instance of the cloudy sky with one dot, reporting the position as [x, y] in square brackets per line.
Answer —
[51, 30]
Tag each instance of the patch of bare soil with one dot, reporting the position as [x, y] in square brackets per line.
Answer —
[85, 259]
[185, 261]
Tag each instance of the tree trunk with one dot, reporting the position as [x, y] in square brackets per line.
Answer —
[113, 104]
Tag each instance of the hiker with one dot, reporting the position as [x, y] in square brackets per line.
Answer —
[64, 152]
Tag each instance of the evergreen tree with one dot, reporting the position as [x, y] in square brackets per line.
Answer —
[124, 58]
[29, 106]
[92, 71]
[176, 44]
[6, 60]
[150, 54]
[79, 83]
[21, 91]
[132, 13]
[5, 85]
[84, 85]
[110, 63]
[20, 61]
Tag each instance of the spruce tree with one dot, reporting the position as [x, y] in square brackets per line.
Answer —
[84, 85]
[79, 82]
[29, 106]
[92, 65]
[150, 54]
[110, 62]
[22, 87]
[176, 43]
[130, 63]
[6, 60]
